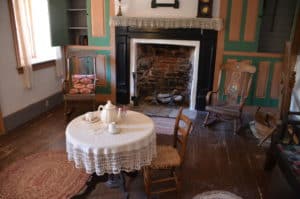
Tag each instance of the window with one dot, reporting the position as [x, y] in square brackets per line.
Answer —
[30, 21]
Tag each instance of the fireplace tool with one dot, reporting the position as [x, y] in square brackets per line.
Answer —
[134, 98]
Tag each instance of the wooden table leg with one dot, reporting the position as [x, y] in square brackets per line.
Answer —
[90, 185]
[118, 181]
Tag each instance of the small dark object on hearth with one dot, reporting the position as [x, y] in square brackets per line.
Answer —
[135, 100]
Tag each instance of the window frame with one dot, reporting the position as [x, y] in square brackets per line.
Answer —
[35, 66]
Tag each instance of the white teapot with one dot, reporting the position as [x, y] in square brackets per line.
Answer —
[108, 113]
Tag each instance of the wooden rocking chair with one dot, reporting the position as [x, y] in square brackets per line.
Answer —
[237, 85]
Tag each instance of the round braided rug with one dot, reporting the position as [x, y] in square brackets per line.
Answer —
[42, 175]
[216, 195]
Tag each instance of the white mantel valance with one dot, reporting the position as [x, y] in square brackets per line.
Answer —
[140, 22]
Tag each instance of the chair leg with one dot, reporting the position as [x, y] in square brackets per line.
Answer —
[68, 109]
[147, 181]
[177, 181]
[238, 125]
[66, 112]
[235, 126]
[206, 119]
[271, 157]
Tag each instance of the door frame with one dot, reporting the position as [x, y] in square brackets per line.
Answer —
[2, 129]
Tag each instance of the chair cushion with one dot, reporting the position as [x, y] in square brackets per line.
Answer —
[228, 110]
[167, 156]
[82, 84]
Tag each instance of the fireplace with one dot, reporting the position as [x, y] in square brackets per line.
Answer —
[190, 80]
[166, 71]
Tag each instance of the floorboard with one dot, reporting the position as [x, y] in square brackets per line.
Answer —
[217, 159]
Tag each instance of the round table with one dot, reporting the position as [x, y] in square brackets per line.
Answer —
[93, 148]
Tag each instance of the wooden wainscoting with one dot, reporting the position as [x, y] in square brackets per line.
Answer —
[243, 19]
[98, 18]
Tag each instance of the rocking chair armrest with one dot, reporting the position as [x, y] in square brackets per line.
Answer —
[209, 95]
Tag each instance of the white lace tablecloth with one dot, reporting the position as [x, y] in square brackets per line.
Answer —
[93, 148]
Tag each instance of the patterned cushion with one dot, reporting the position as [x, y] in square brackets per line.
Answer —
[292, 154]
[167, 156]
[82, 84]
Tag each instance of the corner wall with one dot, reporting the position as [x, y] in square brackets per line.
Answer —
[13, 95]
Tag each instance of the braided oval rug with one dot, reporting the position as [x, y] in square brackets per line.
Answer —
[41, 176]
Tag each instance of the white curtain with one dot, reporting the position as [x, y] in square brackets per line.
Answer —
[23, 20]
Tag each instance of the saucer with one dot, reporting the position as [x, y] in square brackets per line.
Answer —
[94, 120]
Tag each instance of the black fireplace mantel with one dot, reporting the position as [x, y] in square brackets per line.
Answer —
[207, 55]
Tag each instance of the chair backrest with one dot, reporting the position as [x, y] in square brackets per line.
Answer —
[81, 62]
[183, 126]
[238, 80]
[81, 72]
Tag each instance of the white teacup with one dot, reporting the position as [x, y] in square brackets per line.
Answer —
[89, 116]
[112, 128]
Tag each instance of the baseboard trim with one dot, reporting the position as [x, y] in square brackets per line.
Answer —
[32, 111]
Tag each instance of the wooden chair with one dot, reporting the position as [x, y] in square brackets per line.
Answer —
[169, 157]
[80, 79]
[235, 92]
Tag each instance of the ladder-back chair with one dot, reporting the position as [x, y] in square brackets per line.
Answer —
[169, 157]
[80, 80]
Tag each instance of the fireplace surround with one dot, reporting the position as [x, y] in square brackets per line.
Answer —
[206, 58]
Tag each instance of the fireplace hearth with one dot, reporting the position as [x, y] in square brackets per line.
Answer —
[181, 82]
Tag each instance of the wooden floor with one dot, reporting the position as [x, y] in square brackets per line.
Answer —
[216, 160]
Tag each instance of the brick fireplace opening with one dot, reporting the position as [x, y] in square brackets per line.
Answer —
[199, 46]
[164, 71]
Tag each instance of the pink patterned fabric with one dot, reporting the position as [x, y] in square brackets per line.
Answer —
[44, 175]
[82, 84]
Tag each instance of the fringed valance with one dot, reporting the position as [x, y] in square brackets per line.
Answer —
[167, 23]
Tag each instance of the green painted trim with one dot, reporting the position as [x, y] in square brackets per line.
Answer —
[105, 89]
[243, 21]
[99, 41]
[250, 57]
[227, 27]
[269, 81]
[267, 101]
